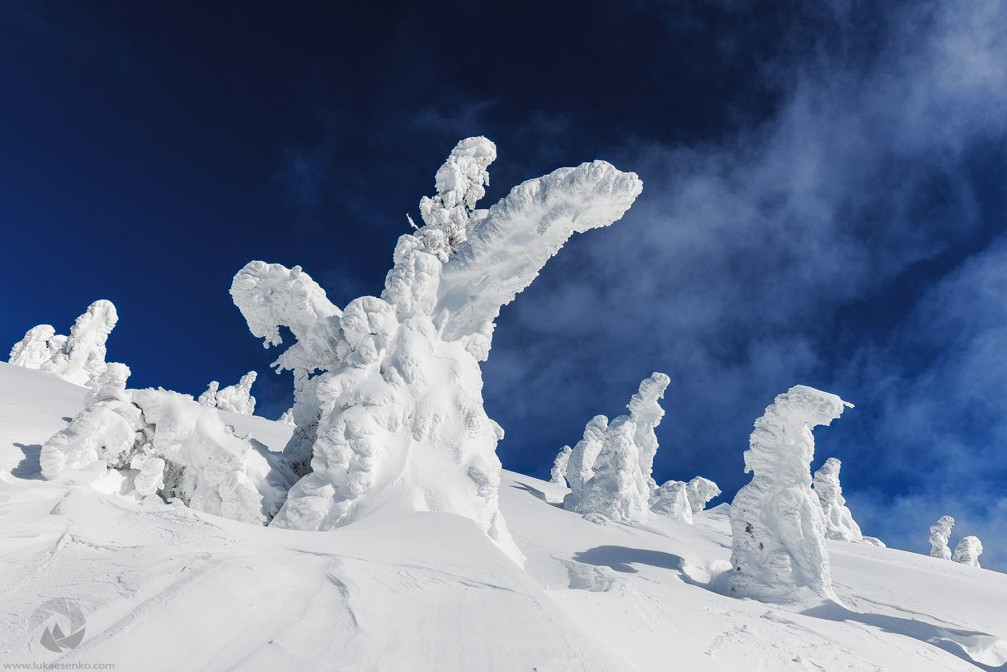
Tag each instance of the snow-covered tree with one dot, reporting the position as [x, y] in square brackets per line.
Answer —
[839, 523]
[700, 491]
[967, 551]
[388, 392]
[777, 522]
[161, 443]
[79, 357]
[558, 473]
[235, 398]
[610, 470]
[672, 500]
[287, 417]
[940, 535]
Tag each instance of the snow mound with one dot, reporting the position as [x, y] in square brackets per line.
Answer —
[613, 464]
[777, 524]
[388, 392]
[79, 357]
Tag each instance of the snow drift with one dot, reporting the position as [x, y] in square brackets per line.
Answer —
[388, 392]
[777, 524]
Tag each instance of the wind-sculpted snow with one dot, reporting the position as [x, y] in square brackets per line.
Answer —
[557, 474]
[235, 398]
[388, 393]
[940, 535]
[672, 500]
[777, 524]
[700, 491]
[610, 469]
[967, 551]
[839, 523]
[79, 357]
[161, 443]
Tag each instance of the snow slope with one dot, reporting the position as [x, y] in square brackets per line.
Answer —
[167, 588]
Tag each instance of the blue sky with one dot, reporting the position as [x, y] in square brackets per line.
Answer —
[823, 203]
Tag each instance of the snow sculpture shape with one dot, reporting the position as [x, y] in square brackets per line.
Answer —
[79, 357]
[777, 523]
[839, 523]
[163, 443]
[672, 500]
[558, 473]
[700, 491]
[967, 551]
[940, 534]
[235, 398]
[618, 483]
[388, 393]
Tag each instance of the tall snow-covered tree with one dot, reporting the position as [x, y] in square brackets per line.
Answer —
[940, 535]
[839, 523]
[619, 482]
[777, 523]
[967, 551]
[388, 392]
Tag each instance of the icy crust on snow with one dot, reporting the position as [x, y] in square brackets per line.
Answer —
[610, 469]
[940, 535]
[388, 393]
[839, 523]
[79, 357]
[161, 443]
[777, 524]
[967, 551]
[235, 398]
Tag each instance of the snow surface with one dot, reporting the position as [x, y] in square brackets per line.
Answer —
[165, 587]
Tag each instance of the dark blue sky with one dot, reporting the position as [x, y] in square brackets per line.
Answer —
[823, 203]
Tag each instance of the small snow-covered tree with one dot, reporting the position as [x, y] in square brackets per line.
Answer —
[287, 417]
[940, 535]
[619, 482]
[161, 443]
[839, 523]
[967, 551]
[777, 524]
[79, 357]
[235, 398]
[388, 392]
[558, 473]
[700, 491]
[672, 500]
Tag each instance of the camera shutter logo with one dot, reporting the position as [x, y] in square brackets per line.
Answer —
[64, 624]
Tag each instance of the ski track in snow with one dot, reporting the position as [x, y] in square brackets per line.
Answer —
[167, 588]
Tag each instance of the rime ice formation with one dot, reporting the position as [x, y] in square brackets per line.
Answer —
[235, 398]
[940, 534]
[672, 499]
[79, 357]
[558, 472]
[610, 468]
[700, 491]
[388, 392]
[839, 523]
[967, 551]
[287, 417]
[777, 523]
[163, 443]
